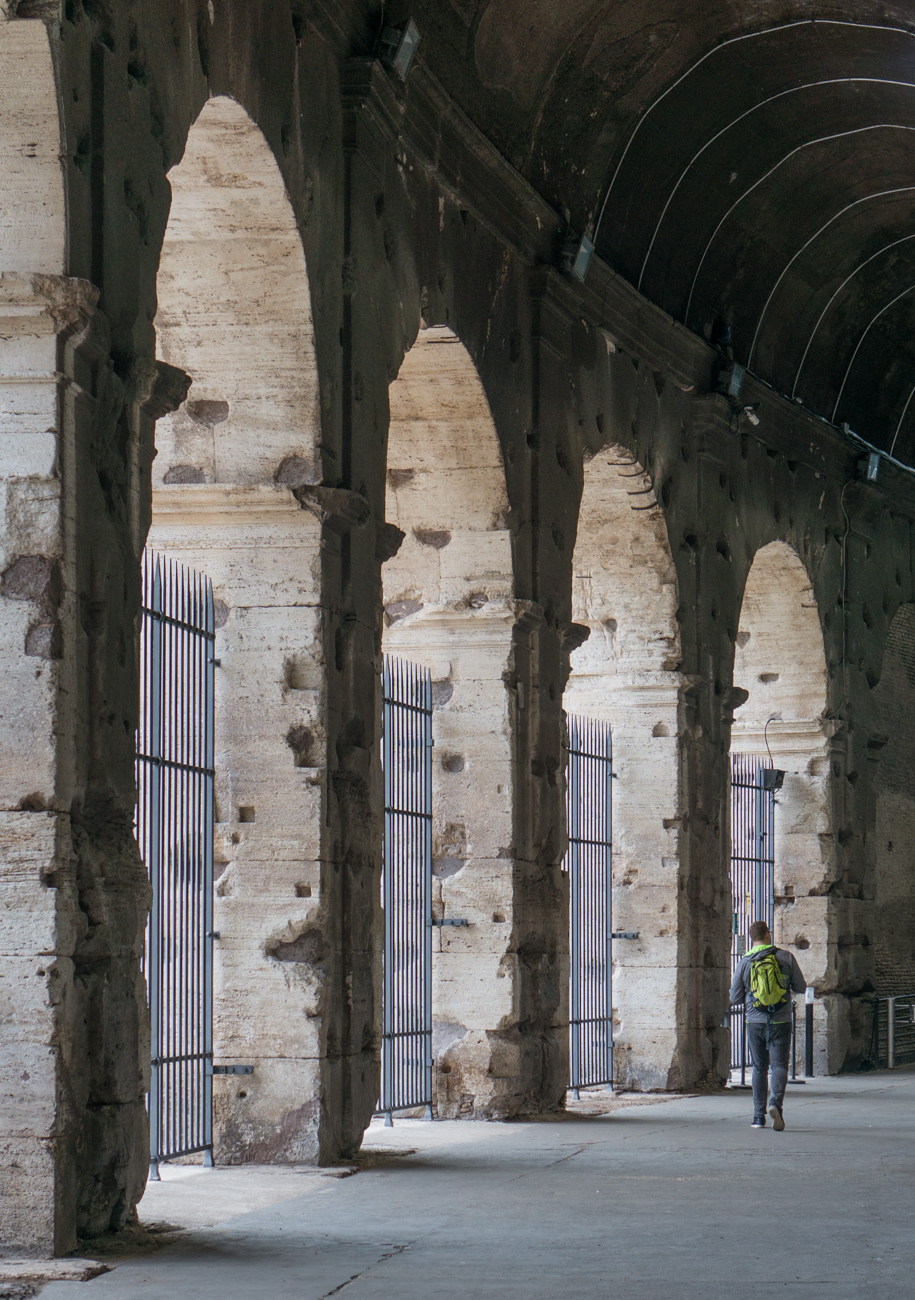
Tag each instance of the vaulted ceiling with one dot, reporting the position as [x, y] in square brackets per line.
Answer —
[748, 165]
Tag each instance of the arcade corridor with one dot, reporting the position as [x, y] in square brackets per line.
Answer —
[441, 443]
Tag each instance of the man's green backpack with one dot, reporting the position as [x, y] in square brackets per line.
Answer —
[768, 982]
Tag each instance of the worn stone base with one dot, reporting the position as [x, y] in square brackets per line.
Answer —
[50, 1270]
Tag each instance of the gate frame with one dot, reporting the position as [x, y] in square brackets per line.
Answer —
[590, 742]
[180, 600]
[406, 700]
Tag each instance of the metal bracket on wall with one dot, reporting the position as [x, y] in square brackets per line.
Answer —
[233, 1069]
[624, 934]
[449, 921]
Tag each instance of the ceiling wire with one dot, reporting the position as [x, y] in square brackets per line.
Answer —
[866, 198]
[792, 90]
[745, 36]
[901, 418]
[873, 321]
[879, 252]
[877, 126]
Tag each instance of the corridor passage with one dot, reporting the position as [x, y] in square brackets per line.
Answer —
[670, 1200]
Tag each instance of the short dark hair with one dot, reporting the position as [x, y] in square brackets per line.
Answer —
[759, 932]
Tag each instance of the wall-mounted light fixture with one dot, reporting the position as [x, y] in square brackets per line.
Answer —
[730, 380]
[773, 778]
[582, 259]
[869, 467]
[398, 46]
[576, 256]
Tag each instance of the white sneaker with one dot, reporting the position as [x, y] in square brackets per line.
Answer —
[778, 1122]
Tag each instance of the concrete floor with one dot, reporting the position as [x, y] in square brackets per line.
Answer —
[675, 1200]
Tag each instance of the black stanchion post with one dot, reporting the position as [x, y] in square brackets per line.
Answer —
[794, 1079]
[793, 1041]
[808, 1032]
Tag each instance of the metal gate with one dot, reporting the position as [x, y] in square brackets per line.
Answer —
[589, 804]
[752, 869]
[175, 834]
[406, 1056]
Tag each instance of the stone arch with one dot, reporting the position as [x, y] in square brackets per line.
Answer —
[448, 605]
[446, 482]
[33, 211]
[234, 313]
[892, 858]
[780, 661]
[627, 673]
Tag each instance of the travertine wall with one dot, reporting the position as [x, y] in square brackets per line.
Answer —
[448, 605]
[779, 662]
[276, 482]
[627, 674]
[234, 313]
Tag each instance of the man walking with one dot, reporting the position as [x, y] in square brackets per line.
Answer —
[764, 982]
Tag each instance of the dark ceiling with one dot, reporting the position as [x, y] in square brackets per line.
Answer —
[753, 162]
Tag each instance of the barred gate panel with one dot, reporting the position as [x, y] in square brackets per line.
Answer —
[406, 1059]
[752, 871]
[588, 862]
[175, 834]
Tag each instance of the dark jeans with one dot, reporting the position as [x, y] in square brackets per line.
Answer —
[769, 1047]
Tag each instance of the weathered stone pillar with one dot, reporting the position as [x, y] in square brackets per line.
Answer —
[707, 583]
[546, 544]
[352, 577]
[73, 892]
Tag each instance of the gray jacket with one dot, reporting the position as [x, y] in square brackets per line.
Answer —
[740, 988]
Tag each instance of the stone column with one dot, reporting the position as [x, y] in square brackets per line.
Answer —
[369, 325]
[73, 891]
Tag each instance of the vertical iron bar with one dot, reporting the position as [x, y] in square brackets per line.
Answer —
[588, 862]
[406, 1076]
[175, 757]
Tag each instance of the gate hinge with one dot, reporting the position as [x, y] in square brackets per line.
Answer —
[448, 921]
[233, 1069]
[624, 934]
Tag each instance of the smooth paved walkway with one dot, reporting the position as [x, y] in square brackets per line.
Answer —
[676, 1200]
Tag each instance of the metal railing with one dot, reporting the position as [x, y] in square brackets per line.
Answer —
[174, 828]
[752, 868]
[406, 1056]
[894, 1030]
[589, 811]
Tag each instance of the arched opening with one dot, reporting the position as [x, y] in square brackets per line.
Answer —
[893, 855]
[234, 313]
[627, 674]
[780, 662]
[448, 606]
